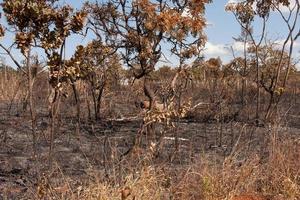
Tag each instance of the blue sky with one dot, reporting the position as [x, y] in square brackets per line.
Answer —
[220, 32]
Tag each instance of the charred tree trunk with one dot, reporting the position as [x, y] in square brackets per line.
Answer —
[88, 103]
[98, 101]
[94, 102]
[149, 93]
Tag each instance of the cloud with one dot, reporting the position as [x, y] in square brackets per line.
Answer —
[223, 50]
[280, 43]
[212, 50]
[239, 46]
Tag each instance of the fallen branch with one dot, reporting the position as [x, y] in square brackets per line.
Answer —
[199, 104]
[124, 119]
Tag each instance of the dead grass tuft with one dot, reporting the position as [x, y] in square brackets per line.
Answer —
[148, 184]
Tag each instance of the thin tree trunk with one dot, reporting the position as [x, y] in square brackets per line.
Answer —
[243, 92]
[31, 103]
[94, 102]
[77, 101]
[269, 106]
[149, 93]
[54, 106]
[257, 89]
[88, 103]
[98, 102]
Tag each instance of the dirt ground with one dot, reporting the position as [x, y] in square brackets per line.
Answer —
[99, 145]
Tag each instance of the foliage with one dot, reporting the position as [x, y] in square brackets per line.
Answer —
[140, 27]
[43, 24]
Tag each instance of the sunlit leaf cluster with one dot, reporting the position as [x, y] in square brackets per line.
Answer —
[168, 115]
[41, 23]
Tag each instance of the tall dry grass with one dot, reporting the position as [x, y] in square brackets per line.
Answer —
[274, 175]
[11, 87]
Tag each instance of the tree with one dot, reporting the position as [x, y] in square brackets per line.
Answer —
[270, 61]
[140, 28]
[43, 24]
[246, 12]
[99, 66]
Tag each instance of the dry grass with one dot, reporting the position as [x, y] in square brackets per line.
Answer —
[149, 184]
[10, 87]
[274, 176]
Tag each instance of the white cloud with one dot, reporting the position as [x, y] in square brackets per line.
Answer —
[239, 46]
[280, 43]
[212, 50]
[223, 50]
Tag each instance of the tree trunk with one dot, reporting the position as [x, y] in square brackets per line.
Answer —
[77, 101]
[268, 113]
[88, 103]
[31, 103]
[257, 89]
[54, 107]
[149, 93]
[98, 102]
